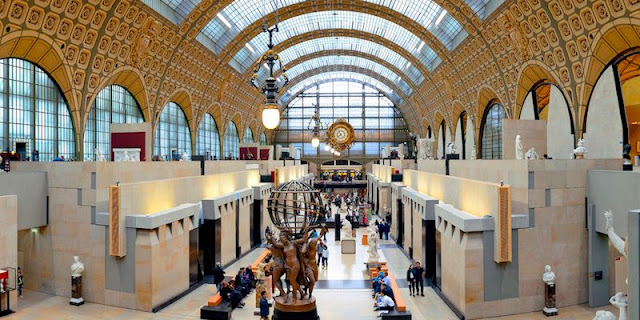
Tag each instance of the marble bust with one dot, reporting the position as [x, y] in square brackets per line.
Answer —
[77, 267]
[549, 277]
[519, 154]
[580, 150]
[451, 148]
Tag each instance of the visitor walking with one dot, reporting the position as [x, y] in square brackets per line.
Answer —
[218, 275]
[320, 251]
[419, 279]
[264, 306]
[411, 279]
[387, 227]
[325, 257]
[20, 282]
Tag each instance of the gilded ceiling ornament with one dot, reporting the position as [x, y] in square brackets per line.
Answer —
[340, 135]
[519, 42]
[144, 40]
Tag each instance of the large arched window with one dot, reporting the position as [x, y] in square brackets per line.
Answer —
[461, 135]
[263, 139]
[442, 140]
[231, 141]
[491, 131]
[208, 138]
[114, 104]
[248, 136]
[172, 133]
[33, 113]
[374, 117]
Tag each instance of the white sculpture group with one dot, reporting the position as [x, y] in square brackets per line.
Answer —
[373, 242]
[531, 154]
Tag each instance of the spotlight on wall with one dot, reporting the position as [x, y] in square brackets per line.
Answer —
[34, 230]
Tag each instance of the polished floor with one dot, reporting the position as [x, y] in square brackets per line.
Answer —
[340, 295]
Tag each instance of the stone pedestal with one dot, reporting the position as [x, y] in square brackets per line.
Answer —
[365, 239]
[348, 246]
[76, 291]
[300, 310]
[550, 300]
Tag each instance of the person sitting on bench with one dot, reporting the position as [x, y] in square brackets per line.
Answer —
[386, 303]
[241, 282]
[250, 276]
[377, 281]
[235, 296]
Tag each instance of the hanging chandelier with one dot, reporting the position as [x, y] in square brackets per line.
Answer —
[315, 126]
[270, 110]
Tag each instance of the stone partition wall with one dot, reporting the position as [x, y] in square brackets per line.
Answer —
[261, 194]
[551, 195]
[383, 172]
[433, 166]
[396, 210]
[289, 173]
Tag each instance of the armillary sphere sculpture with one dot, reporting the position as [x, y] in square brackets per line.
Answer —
[295, 209]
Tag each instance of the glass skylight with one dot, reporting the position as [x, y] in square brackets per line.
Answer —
[293, 91]
[346, 63]
[352, 44]
[484, 8]
[174, 10]
[241, 13]
[327, 20]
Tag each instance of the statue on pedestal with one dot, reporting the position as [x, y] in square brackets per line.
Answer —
[549, 278]
[472, 156]
[99, 155]
[184, 157]
[519, 154]
[346, 230]
[373, 243]
[532, 154]
[422, 149]
[580, 151]
[76, 282]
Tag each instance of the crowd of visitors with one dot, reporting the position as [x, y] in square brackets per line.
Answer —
[236, 289]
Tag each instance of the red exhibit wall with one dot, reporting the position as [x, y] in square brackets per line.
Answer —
[264, 154]
[245, 150]
[129, 140]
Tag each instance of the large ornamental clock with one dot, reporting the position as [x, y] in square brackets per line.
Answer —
[341, 135]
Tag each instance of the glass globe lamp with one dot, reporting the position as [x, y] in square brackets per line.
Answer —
[315, 142]
[270, 116]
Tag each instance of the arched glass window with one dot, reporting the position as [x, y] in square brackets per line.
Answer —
[248, 136]
[172, 133]
[231, 141]
[33, 113]
[208, 138]
[114, 104]
[492, 132]
[375, 118]
[263, 139]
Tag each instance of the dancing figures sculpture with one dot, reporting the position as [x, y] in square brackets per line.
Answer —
[295, 209]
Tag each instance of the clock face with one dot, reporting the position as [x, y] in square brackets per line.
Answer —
[341, 135]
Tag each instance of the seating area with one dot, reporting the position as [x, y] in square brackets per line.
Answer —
[400, 311]
[219, 309]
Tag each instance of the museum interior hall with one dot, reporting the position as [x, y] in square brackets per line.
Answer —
[320, 159]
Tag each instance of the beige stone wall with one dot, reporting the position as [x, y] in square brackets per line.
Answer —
[433, 166]
[557, 237]
[533, 133]
[157, 195]
[228, 233]
[382, 172]
[417, 234]
[288, 173]
[216, 167]
[244, 225]
[9, 240]
[475, 197]
[406, 219]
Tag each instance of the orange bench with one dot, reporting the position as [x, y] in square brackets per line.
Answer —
[256, 264]
[400, 304]
[215, 300]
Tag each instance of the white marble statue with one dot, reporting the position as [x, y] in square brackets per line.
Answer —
[532, 154]
[387, 152]
[614, 238]
[373, 244]
[401, 151]
[451, 148]
[519, 152]
[77, 267]
[604, 315]
[619, 300]
[184, 156]
[472, 156]
[580, 151]
[99, 155]
[346, 231]
[549, 277]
